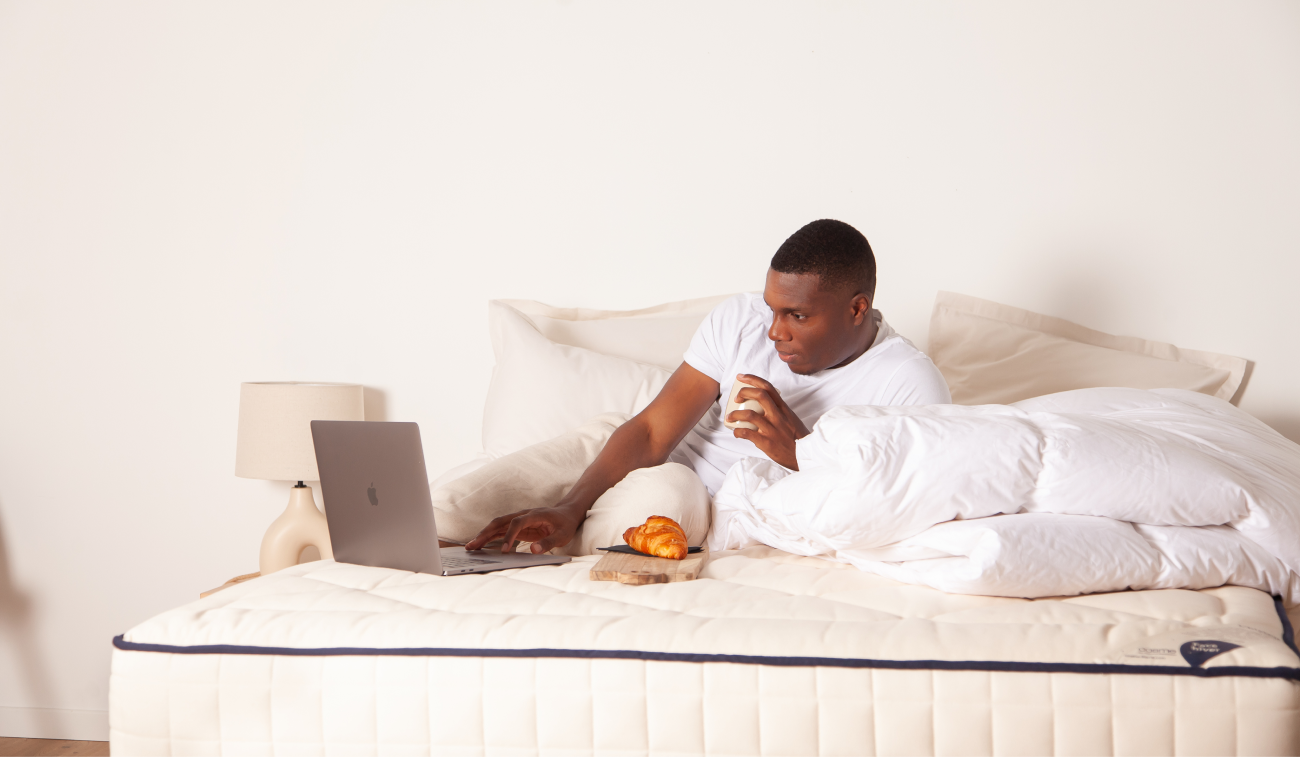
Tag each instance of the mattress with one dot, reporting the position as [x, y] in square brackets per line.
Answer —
[766, 653]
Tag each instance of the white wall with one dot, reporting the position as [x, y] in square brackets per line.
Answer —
[195, 195]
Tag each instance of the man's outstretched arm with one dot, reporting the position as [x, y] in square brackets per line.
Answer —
[644, 441]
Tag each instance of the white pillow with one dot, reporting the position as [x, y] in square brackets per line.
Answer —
[539, 475]
[536, 476]
[996, 354]
[541, 389]
[655, 336]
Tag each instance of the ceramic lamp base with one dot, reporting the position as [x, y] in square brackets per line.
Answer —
[301, 525]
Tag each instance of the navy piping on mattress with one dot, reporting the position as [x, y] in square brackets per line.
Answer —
[798, 662]
[1288, 632]
[1288, 636]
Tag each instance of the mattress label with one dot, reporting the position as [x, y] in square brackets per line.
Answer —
[1192, 647]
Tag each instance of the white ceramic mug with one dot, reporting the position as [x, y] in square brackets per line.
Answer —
[732, 404]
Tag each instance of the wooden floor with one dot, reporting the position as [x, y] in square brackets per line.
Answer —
[10, 747]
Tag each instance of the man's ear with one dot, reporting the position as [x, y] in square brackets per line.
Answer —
[861, 307]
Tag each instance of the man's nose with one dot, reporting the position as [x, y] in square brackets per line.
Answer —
[777, 331]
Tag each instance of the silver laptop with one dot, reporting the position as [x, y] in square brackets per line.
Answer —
[377, 503]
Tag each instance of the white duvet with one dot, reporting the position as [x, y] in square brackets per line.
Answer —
[1085, 491]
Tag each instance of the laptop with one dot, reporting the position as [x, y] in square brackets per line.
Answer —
[377, 503]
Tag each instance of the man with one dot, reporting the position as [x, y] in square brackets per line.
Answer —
[811, 342]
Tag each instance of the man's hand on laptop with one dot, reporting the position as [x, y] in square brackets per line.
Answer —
[545, 527]
[778, 426]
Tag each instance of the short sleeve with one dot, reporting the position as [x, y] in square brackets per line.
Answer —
[716, 341]
[917, 382]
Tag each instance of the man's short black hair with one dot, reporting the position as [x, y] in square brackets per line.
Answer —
[835, 251]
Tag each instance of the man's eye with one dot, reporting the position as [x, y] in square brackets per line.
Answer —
[798, 316]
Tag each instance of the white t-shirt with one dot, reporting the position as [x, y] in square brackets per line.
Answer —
[733, 339]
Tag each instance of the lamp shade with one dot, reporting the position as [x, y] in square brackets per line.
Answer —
[275, 426]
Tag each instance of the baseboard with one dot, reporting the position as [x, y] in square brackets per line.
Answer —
[42, 723]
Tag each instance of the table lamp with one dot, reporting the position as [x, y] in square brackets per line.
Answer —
[275, 444]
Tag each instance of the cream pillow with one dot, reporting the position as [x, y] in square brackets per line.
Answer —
[539, 475]
[536, 476]
[655, 336]
[997, 354]
[541, 389]
[670, 490]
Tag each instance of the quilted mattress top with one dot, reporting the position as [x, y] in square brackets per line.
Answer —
[756, 605]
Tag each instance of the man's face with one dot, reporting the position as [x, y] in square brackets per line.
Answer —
[813, 328]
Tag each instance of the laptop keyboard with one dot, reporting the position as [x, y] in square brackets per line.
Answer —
[449, 563]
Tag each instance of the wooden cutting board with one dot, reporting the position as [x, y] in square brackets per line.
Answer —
[643, 569]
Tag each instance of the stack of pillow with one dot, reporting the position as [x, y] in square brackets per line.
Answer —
[565, 378]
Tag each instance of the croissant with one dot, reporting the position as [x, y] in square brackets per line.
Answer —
[658, 536]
